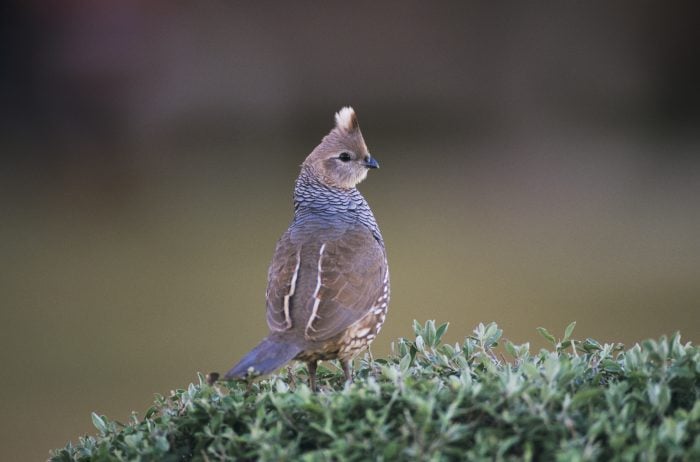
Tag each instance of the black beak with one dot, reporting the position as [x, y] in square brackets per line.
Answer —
[371, 162]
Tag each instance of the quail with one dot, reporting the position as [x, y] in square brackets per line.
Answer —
[328, 283]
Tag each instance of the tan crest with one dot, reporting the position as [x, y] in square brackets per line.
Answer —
[346, 120]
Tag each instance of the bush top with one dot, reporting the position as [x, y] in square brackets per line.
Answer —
[579, 400]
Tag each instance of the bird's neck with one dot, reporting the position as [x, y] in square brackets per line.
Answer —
[315, 200]
[311, 194]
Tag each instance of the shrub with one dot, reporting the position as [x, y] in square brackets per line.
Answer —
[581, 400]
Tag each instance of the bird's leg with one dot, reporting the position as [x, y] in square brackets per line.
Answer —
[212, 377]
[290, 377]
[311, 366]
[346, 369]
[371, 362]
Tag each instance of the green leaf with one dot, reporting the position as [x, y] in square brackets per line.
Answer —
[151, 412]
[430, 333]
[405, 364]
[569, 330]
[610, 366]
[391, 450]
[417, 328]
[493, 334]
[546, 335]
[585, 396]
[510, 348]
[491, 331]
[420, 343]
[99, 423]
[590, 345]
[440, 332]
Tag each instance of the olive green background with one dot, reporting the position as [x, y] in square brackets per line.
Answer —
[539, 165]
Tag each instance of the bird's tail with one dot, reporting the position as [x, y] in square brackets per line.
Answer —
[270, 354]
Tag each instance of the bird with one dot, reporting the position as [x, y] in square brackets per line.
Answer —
[328, 283]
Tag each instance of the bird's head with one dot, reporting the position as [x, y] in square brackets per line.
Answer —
[342, 159]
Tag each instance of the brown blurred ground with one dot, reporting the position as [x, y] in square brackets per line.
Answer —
[539, 165]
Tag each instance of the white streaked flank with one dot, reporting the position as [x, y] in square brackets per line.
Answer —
[292, 288]
[317, 301]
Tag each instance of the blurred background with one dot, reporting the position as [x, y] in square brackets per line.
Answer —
[539, 165]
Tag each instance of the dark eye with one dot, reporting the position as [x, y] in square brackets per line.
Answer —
[345, 157]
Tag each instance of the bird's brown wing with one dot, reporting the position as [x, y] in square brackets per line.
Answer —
[282, 284]
[350, 277]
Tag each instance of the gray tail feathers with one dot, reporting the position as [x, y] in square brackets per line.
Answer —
[270, 354]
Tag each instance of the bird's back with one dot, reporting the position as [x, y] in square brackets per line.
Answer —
[327, 275]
